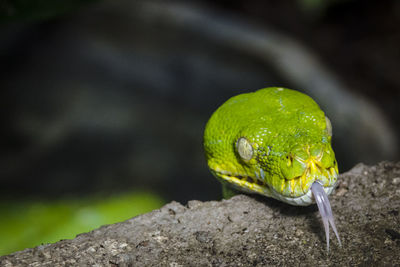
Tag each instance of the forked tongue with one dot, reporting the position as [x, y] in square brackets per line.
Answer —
[325, 210]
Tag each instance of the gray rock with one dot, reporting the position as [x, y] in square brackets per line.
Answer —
[246, 230]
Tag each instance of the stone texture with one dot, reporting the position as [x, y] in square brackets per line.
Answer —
[246, 230]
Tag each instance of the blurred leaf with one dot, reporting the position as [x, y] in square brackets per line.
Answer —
[24, 224]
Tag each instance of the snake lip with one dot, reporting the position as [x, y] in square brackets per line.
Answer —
[251, 184]
[244, 183]
[245, 178]
[303, 200]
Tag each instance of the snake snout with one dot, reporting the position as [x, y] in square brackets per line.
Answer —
[306, 164]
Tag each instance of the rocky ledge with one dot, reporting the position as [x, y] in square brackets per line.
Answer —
[246, 230]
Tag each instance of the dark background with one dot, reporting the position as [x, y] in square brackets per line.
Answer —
[99, 97]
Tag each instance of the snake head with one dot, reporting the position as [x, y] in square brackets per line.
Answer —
[278, 168]
[274, 142]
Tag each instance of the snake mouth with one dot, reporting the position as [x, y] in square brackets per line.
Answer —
[301, 185]
[286, 188]
[245, 183]
[304, 200]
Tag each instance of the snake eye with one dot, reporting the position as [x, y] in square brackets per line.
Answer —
[244, 149]
[328, 126]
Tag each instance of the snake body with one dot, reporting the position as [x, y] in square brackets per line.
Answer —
[275, 142]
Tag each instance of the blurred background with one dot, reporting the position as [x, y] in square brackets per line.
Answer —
[104, 103]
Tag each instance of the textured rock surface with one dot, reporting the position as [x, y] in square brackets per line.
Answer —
[246, 231]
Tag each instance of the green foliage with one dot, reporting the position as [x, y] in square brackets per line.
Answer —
[24, 224]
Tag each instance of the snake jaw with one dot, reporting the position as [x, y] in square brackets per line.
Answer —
[304, 200]
[253, 185]
[294, 190]
[245, 183]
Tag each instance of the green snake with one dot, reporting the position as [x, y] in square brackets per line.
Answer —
[275, 142]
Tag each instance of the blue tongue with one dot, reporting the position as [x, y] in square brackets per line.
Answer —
[325, 210]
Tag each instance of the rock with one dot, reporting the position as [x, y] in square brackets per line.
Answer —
[245, 230]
